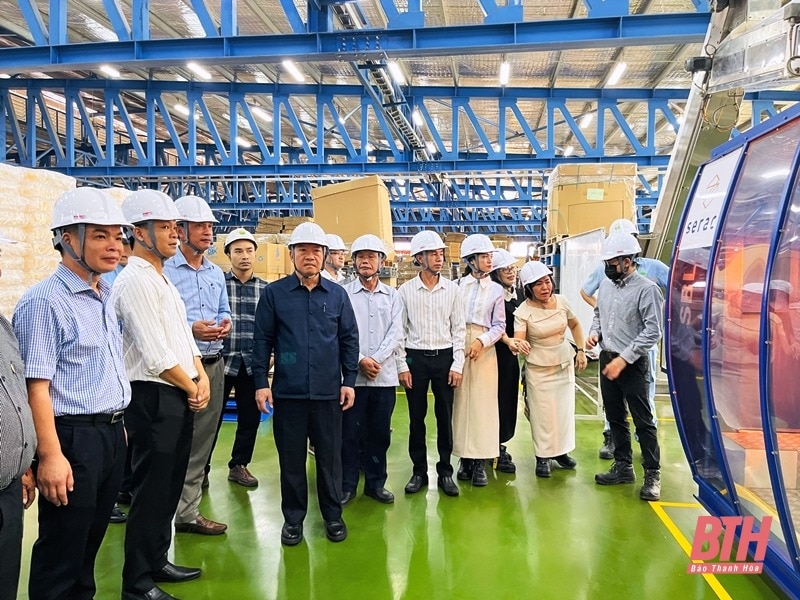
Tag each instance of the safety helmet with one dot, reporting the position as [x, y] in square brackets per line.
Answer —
[239, 234]
[335, 242]
[620, 244]
[149, 205]
[780, 285]
[194, 209]
[623, 226]
[308, 233]
[425, 241]
[533, 271]
[502, 259]
[86, 205]
[477, 243]
[6, 240]
[368, 242]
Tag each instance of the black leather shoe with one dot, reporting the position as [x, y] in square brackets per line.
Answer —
[464, 469]
[416, 483]
[448, 486]
[565, 461]
[175, 574]
[117, 516]
[156, 593]
[479, 478]
[291, 535]
[124, 498]
[348, 497]
[336, 530]
[542, 467]
[380, 494]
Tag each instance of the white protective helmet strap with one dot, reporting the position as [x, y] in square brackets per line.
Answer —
[151, 248]
[58, 242]
[185, 226]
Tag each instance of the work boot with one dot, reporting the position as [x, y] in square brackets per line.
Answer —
[619, 472]
[542, 467]
[607, 449]
[479, 478]
[465, 466]
[565, 461]
[651, 489]
[504, 464]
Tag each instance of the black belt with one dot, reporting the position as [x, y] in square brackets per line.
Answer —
[210, 359]
[430, 352]
[98, 419]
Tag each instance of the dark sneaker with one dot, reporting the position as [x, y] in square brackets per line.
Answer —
[479, 478]
[651, 489]
[504, 464]
[464, 469]
[607, 449]
[565, 461]
[618, 473]
[542, 467]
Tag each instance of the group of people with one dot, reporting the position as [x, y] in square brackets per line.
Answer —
[99, 379]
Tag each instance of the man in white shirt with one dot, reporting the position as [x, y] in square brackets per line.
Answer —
[334, 260]
[379, 314]
[168, 385]
[435, 334]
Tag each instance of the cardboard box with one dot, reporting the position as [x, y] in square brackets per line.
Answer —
[586, 197]
[216, 254]
[288, 266]
[269, 259]
[354, 208]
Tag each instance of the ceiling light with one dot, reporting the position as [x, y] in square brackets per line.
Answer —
[568, 151]
[261, 114]
[240, 141]
[198, 70]
[431, 148]
[585, 120]
[396, 72]
[341, 120]
[616, 74]
[182, 109]
[505, 72]
[496, 147]
[369, 147]
[5, 76]
[294, 71]
[110, 71]
[416, 116]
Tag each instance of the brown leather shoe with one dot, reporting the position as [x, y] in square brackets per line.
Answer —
[239, 474]
[202, 526]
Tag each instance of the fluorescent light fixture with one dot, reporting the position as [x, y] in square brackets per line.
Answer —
[416, 116]
[585, 120]
[294, 71]
[198, 70]
[181, 109]
[240, 141]
[431, 148]
[616, 74]
[369, 147]
[5, 76]
[568, 151]
[110, 71]
[505, 72]
[396, 72]
[341, 120]
[261, 114]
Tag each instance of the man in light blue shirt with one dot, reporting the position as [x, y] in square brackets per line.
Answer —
[202, 287]
[379, 313]
[658, 273]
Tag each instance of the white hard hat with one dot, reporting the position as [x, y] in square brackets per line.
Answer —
[620, 244]
[193, 209]
[623, 226]
[781, 285]
[502, 259]
[6, 240]
[308, 233]
[149, 205]
[87, 205]
[240, 234]
[368, 242]
[425, 241]
[477, 243]
[335, 242]
[533, 271]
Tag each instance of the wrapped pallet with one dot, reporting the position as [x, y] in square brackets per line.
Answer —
[27, 197]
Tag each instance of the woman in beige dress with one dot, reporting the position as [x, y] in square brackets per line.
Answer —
[542, 321]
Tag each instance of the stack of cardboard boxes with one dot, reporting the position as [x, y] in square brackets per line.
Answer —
[272, 257]
[452, 251]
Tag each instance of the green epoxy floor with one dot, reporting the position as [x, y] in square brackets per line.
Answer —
[519, 537]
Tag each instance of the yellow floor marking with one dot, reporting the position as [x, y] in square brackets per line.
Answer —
[686, 546]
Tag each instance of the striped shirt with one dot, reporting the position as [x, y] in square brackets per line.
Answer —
[379, 315]
[69, 336]
[17, 434]
[434, 320]
[204, 293]
[628, 316]
[156, 335]
[484, 305]
[238, 346]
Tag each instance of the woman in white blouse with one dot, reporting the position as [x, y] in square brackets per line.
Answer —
[476, 420]
[542, 321]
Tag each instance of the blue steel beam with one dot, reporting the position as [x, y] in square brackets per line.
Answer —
[367, 44]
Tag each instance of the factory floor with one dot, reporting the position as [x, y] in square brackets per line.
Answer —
[519, 537]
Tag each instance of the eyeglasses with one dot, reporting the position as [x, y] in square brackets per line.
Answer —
[336, 252]
[509, 270]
